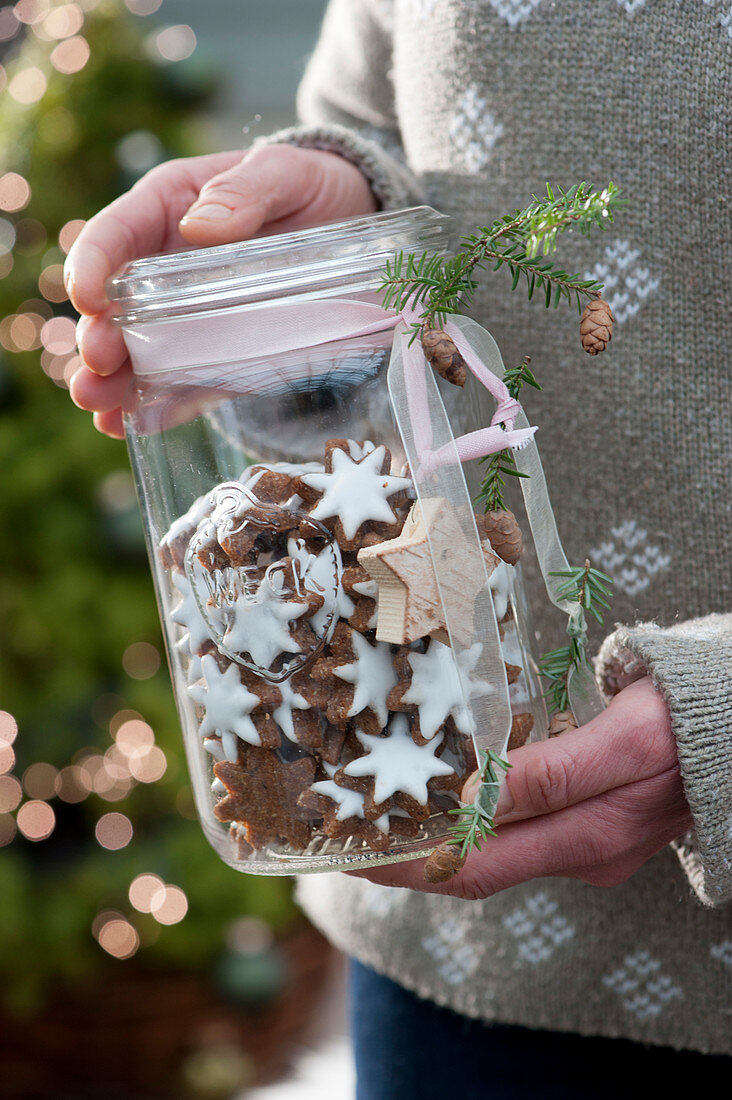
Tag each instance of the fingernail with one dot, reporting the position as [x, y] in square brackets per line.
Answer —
[207, 212]
[505, 805]
[470, 789]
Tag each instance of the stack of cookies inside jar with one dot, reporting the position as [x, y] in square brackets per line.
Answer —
[320, 681]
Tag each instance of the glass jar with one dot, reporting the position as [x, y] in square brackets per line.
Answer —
[272, 478]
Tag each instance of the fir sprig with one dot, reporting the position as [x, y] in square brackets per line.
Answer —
[501, 465]
[590, 589]
[476, 819]
[519, 241]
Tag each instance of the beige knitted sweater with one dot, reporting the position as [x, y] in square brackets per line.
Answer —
[472, 105]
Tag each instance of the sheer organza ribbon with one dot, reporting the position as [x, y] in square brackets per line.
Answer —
[437, 456]
[498, 436]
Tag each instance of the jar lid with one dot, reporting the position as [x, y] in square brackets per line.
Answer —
[345, 255]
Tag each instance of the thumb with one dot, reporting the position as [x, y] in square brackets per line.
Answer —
[273, 184]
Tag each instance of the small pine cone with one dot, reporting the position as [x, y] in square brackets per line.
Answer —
[596, 326]
[562, 721]
[504, 533]
[521, 727]
[443, 863]
[440, 352]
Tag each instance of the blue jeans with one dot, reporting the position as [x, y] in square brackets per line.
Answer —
[410, 1049]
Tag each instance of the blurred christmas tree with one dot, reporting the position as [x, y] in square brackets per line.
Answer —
[100, 852]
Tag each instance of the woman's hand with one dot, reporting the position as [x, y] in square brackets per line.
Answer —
[592, 804]
[198, 201]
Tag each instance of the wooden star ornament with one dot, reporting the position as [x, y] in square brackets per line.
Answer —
[409, 604]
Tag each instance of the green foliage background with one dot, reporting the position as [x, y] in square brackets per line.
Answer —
[75, 590]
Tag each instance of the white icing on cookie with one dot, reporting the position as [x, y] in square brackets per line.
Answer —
[350, 803]
[291, 700]
[356, 492]
[367, 588]
[319, 568]
[371, 589]
[214, 746]
[438, 679]
[195, 671]
[372, 675]
[187, 614]
[499, 583]
[227, 704]
[188, 521]
[258, 623]
[397, 764]
[357, 451]
[292, 469]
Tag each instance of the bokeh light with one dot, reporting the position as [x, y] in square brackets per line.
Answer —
[36, 820]
[116, 493]
[8, 728]
[144, 890]
[114, 831]
[9, 24]
[71, 55]
[69, 233]
[8, 829]
[114, 780]
[51, 283]
[133, 735]
[39, 780]
[249, 936]
[125, 715]
[7, 758]
[31, 11]
[148, 765]
[63, 21]
[28, 86]
[24, 332]
[116, 936]
[7, 235]
[174, 43]
[59, 368]
[143, 7]
[169, 905]
[58, 336]
[15, 192]
[139, 151]
[70, 786]
[11, 793]
[141, 660]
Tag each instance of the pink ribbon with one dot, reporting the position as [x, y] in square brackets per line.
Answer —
[499, 436]
[213, 348]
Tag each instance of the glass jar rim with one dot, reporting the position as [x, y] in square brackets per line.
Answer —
[344, 255]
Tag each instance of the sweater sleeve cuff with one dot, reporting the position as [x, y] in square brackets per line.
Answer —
[392, 183]
[691, 665]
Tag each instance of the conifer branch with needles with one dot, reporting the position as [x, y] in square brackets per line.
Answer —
[440, 285]
[590, 589]
[475, 822]
[503, 464]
